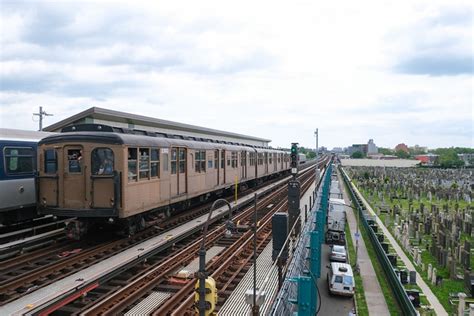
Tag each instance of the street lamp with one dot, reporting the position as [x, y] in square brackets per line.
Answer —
[357, 234]
[202, 275]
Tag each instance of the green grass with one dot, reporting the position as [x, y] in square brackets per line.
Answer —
[360, 300]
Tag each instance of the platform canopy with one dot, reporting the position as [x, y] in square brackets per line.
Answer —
[96, 115]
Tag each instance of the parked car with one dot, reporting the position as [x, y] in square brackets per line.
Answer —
[338, 253]
[335, 238]
[340, 279]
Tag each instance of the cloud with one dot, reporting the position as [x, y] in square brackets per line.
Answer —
[272, 70]
[437, 44]
[437, 65]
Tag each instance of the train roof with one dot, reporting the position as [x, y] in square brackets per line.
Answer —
[111, 137]
[22, 135]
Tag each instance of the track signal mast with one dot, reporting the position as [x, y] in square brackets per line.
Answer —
[294, 159]
[294, 192]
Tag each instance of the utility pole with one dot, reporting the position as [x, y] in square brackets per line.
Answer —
[41, 114]
[317, 175]
[316, 134]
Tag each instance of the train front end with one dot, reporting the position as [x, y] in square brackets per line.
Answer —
[79, 176]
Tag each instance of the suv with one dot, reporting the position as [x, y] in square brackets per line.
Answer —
[338, 253]
[340, 279]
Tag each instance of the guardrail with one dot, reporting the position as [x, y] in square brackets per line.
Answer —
[395, 284]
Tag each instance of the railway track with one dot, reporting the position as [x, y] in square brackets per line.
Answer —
[31, 271]
[159, 276]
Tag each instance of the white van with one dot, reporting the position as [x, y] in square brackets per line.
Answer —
[340, 279]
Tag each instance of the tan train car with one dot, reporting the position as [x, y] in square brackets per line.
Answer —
[104, 173]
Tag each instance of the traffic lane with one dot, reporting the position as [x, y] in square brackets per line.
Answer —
[331, 304]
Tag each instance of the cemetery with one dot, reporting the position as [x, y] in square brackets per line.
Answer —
[429, 212]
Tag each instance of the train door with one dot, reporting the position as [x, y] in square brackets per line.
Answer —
[182, 171]
[174, 172]
[74, 188]
[266, 163]
[243, 164]
[216, 164]
[223, 165]
[102, 177]
[275, 162]
[281, 159]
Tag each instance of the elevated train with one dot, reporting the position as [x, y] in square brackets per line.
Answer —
[101, 174]
[17, 169]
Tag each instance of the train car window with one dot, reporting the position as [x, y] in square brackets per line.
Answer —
[234, 159]
[279, 158]
[203, 161]
[174, 158]
[252, 159]
[223, 159]
[102, 161]
[19, 160]
[132, 164]
[155, 163]
[50, 161]
[260, 158]
[144, 166]
[200, 161]
[216, 158]
[74, 157]
[209, 164]
[182, 160]
[266, 158]
[196, 161]
[165, 159]
[270, 159]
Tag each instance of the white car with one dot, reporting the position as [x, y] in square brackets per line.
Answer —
[340, 279]
[338, 253]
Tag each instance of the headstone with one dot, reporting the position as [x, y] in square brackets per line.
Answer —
[433, 276]
[430, 271]
[392, 257]
[412, 277]
[461, 304]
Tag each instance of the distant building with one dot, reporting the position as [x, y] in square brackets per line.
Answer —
[401, 147]
[467, 158]
[337, 150]
[428, 159]
[357, 147]
[419, 149]
[372, 148]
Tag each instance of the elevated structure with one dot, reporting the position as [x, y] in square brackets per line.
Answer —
[96, 115]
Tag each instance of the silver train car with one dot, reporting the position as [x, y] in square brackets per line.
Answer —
[17, 170]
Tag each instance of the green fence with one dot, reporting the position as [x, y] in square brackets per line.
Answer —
[397, 287]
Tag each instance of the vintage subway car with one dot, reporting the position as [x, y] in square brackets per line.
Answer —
[100, 173]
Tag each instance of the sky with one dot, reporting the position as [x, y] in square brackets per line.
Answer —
[392, 71]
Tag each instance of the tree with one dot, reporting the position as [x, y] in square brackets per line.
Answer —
[448, 158]
[385, 151]
[402, 154]
[357, 155]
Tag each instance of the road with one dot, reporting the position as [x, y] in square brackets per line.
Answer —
[331, 304]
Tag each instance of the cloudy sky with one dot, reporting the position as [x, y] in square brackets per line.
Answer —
[394, 71]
